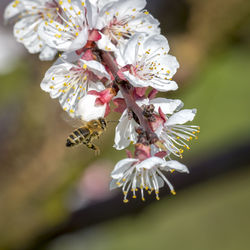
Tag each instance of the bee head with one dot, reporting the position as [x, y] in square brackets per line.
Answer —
[103, 123]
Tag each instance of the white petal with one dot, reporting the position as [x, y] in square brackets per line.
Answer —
[26, 33]
[80, 41]
[47, 54]
[136, 81]
[163, 85]
[150, 163]
[125, 132]
[96, 68]
[181, 117]
[12, 11]
[122, 166]
[131, 49]
[113, 184]
[168, 165]
[167, 106]
[88, 110]
[105, 44]
[156, 44]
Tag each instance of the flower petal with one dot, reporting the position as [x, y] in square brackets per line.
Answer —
[181, 117]
[150, 163]
[174, 165]
[122, 166]
[125, 132]
[47, 54]
[167, 106]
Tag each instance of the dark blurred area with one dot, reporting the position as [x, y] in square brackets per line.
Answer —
[55, 198]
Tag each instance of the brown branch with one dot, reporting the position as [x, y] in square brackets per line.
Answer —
[126, 90]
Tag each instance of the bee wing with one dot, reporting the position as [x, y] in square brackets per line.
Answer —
[74, 122]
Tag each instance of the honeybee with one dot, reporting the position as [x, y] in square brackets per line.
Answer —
[86, 133]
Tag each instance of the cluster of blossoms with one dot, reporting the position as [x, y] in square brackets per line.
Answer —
[111, 51]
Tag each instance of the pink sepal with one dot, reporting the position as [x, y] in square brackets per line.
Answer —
[162, 115]
[94, 35]
[120, 104]
[104, 97]
[161, 154]
[129, 154]
[142, 152]
[157, 123]
[110, 73]
[140, 92]
[107, 111]
[80, 51]
[152, 94]
[88, 55]
[120, 74]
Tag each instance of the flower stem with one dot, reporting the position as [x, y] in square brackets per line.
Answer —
[126, 90]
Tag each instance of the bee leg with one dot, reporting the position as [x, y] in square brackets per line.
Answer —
[93, 147]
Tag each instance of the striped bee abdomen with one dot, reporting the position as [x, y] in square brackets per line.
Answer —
[77, 136]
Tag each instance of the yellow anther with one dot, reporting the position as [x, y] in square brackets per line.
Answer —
[107, 13]
[51, 87]
[168, 71]
[173, 192]
[157, 198]
[83, 3]
[133, 9]
[118, 183]
[60, 2]
[150, 27]
[146, 12]
[69, 1]
[77, 34]
[143, 199]
[146, 188]
[123, 179]
[172, 170]
[85, 66]
[125, 192]
[58, 35]
[72, 111]
[134, 196]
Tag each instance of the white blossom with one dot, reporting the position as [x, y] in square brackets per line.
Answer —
[146, 62]
[30, 15]
[70, 32]
[175, 135]
[119, 20]
[132, 174]
[125, 130]
[71, 82]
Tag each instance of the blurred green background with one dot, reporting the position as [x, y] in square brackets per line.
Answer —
[42, 182]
